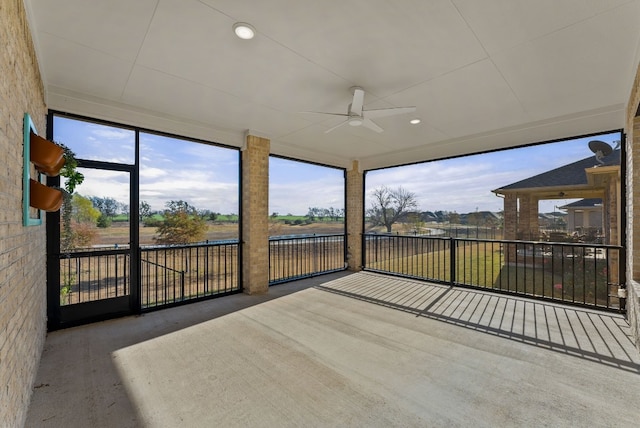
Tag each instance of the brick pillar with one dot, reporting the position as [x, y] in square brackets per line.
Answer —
[528, 217]
[355, 217]
[510, 216]
[611, 206]
[510, 227]
[523, 218]
[255, 215]
[533, 226]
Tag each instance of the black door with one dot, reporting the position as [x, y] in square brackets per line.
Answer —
[92, 243]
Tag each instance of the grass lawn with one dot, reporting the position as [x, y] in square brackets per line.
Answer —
[479, 265]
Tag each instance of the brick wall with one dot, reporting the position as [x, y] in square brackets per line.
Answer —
[632, 130]
[255, 215]
[633, 233]
[22, 249]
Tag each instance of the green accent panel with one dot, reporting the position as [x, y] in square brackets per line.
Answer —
[26, 174]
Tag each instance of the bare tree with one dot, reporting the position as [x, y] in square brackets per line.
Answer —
[389, 205]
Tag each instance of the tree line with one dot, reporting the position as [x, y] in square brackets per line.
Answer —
[181, 222]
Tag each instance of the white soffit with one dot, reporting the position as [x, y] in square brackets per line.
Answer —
[482, 74]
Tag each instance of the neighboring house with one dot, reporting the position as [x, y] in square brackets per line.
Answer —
[587, 178]
[584, 215]
[481, 218]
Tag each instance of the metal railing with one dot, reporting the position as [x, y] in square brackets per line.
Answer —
[583, 274]
[304, 256]
[173, 274]
[87, 276]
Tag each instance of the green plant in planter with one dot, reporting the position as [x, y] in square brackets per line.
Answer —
[70, 170]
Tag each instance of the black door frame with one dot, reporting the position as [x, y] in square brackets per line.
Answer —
[59, 316]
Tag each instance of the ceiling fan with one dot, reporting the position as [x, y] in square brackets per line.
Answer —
[357, 116]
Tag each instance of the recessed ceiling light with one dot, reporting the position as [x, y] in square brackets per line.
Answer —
[414, 121]
[244, 31]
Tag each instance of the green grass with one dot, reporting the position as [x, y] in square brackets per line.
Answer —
[485, 267]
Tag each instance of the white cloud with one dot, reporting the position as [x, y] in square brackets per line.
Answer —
[150, 172]
[112, 133]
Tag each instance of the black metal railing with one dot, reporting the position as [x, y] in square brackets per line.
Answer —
[296, 257]
[87, 276]
[173, 274]
[584, 274]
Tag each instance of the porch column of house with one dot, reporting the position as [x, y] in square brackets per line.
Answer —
[613, 205]
[510, 226]
[354, 216]
[528, 220]
[610, 205]
[510, 216]
[255, 215]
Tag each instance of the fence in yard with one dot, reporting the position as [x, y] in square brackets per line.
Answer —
[584, 274]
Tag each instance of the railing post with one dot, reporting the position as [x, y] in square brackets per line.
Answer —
[182, 285]
[452, 261]
[622, 281]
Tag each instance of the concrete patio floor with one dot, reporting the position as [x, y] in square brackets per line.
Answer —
[362, 350]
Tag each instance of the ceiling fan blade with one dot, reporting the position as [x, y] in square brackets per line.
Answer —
[358, 101]
[368, 123]
[327, 114]
[337, 126]
[373, 114]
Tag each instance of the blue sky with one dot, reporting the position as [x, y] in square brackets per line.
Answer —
[207, 176]
[294, 186]
[464, 184]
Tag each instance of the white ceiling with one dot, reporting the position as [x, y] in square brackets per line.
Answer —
[482, 74]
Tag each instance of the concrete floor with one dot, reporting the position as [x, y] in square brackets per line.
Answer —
[344, 350]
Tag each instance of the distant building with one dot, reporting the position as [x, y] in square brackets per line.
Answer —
[586, 179]
[584, 215]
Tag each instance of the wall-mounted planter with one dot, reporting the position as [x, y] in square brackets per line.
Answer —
[53, 171]
[45, 155]
[44, 197]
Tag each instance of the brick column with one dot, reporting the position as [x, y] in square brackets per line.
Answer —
[510, 216]
[523, 218]
[355, 217]
[611, 205]
[510, 227]
[528, 219]
[533, 226]
[255, 215]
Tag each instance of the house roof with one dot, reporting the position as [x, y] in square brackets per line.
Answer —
[572, 174]
[482, 75]
[583, 203]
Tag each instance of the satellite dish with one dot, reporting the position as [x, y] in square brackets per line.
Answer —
[601, 150]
